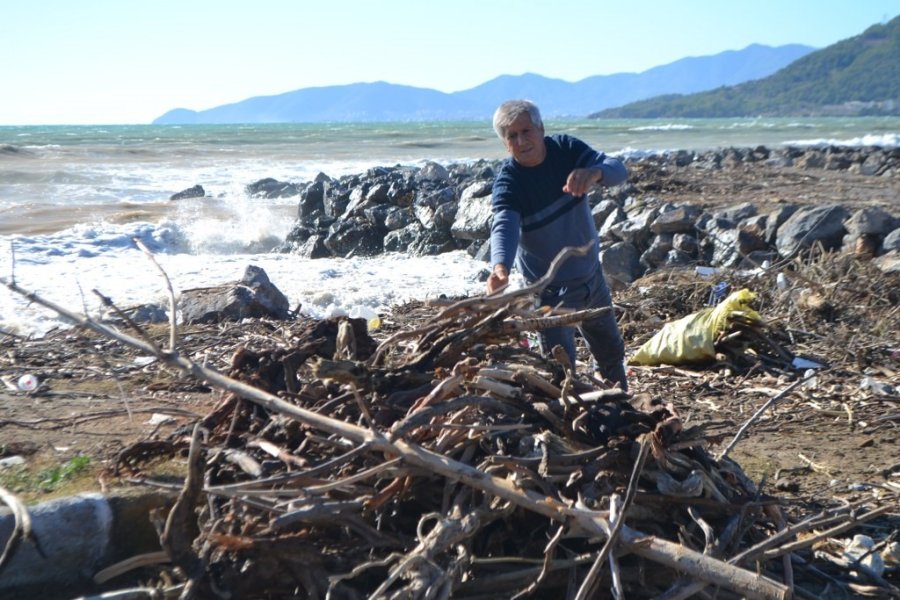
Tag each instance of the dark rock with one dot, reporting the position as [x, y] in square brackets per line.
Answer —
[354, 237]
[872, 165]
[272, 188]
[377, 215]
[601, 211]
[812, 225]
[401, 193]
[659, 249]
[473, 218]
[336, 198]
[737, 213]
[432, 242]
[813, 159]
[870, 220]
[445, 215]
[254, 296]
[434, 172]
[677, 258]
[312, 201]
[680, 219]
[837, 162]
[606, 230]
[719, 243]
[398, 240]
[398, 218]
[891, 242]
[683, 158]
[685, 244]
[755, 226]
[313, 247]
[480, 250]
[298, 234]
[776, 219]
[196, 191]
[427, 202]
[749, 241]
[621, 264]
[147, 313]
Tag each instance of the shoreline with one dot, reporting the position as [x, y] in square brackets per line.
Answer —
[714, 181]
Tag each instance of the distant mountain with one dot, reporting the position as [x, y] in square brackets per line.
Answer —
[857, 76]
[382, 101]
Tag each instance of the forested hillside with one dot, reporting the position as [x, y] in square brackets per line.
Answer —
[857, 76]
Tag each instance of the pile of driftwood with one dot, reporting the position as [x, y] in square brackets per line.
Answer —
[451, 460]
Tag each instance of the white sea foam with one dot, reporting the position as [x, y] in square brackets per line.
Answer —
[885, 140]
[663, 127]
[321, 287]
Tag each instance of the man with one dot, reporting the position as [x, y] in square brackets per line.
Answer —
[539, 208]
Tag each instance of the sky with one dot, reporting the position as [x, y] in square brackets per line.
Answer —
[130, 61]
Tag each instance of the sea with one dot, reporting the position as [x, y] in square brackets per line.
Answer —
[74, 198]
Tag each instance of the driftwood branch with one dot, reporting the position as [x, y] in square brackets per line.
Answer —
[589, 522]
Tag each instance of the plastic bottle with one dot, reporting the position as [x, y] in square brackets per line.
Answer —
[28, 383]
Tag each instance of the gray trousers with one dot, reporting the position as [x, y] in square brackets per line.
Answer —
[601, 334]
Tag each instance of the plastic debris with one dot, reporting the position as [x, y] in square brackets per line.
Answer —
[28, 383]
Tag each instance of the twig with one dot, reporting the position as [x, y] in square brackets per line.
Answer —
[172, 302]
[809, 541]
[108, 303]
[587, 585]
[549, 552]
[815, 467]
[759, 413]
[129, 564]
[536, 287]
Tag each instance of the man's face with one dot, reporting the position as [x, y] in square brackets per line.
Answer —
[525, 141]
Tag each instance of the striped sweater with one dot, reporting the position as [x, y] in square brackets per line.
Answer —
[533, 219]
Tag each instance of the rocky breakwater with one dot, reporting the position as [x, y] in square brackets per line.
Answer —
[669, 213]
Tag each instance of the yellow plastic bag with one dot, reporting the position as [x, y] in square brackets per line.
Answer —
[691, 339]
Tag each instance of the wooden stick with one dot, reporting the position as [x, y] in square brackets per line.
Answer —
[759, 413]
[587, 585]
[172, 302]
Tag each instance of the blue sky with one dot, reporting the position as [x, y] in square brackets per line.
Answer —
[129, 61]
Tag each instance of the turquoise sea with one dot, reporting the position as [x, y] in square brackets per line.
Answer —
[72, 198]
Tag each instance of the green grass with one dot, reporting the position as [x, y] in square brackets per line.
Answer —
[39, 482]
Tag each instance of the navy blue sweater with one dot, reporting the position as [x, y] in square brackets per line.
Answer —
[534, 219]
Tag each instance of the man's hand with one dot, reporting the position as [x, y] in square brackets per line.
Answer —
[581, 180]
[498, 279]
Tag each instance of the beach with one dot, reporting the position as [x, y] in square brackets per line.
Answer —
[827, 443]
[72, 199]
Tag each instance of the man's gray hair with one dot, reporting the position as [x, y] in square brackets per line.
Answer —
[511, 110]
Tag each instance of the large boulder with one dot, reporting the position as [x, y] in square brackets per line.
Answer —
[473, 215]
[810, 226]
[621, 264]
[354, 236]
[679, 219]
[312, 201]
[196, 191]
[253, 296]
[891, 242]
[776, 219]
[272, 188]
